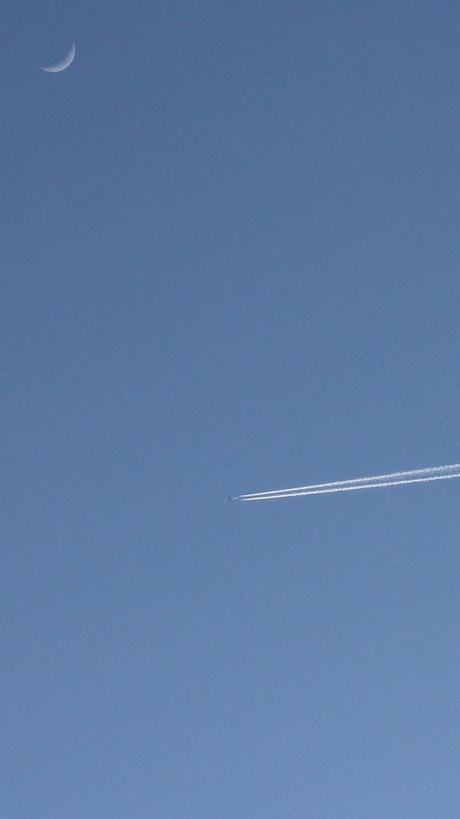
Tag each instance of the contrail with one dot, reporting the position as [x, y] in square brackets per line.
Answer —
[331, 488]
[408, 473]
[432, 473]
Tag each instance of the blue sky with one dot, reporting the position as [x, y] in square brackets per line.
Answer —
[229, 263]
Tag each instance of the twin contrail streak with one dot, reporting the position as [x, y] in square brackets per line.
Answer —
[432, 473]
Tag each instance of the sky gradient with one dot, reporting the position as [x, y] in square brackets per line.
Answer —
[229, 262]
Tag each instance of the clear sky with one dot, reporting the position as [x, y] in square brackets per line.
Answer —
[230, 262]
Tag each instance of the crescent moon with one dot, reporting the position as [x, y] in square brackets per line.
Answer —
[63, 64]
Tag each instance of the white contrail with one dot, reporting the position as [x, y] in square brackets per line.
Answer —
[333, 487]
[390, 476]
